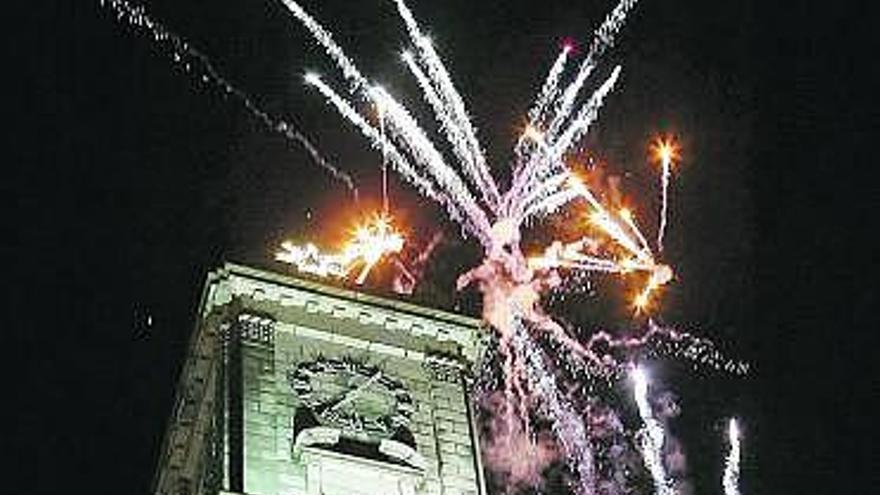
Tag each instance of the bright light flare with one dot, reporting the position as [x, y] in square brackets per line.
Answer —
[642, 299]
[374, 240]
[666, 150]
[660, 276]
[640, 384]
[532, 133]
[730, 479]
[607, 224]
[370, 242]
[620, 227]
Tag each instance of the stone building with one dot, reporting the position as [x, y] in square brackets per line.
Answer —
[291, 387]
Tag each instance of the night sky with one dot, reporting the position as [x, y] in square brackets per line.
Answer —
[129, 180]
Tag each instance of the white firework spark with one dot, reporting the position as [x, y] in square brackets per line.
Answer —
[512, 285]
[541, 182]
[476, 166]
[369, 243]
[548, 93]
[349, 70]
[730, 479]
[603, 39]
[651, 436]
[568, 426]
[376, 137]
[197, 64]
[666, 152]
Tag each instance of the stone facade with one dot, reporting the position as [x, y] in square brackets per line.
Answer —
[283, 374]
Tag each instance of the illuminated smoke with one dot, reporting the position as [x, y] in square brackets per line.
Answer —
[517, 458]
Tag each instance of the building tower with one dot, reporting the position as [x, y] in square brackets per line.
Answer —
[291, 387]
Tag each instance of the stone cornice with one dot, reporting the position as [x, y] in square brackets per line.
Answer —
[395, 323]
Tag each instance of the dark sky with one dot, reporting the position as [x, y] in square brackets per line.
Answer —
[129, 180]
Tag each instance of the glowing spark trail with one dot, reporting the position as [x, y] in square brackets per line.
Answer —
[195, 62]
[369, 244]
[349, 71]
[548, 92]
[730, 479]
[476, 166]
[549, 372]
[549, 158]
[443, 116]
[651, 437]
[585, 116]
[376, 137]
[666, 152]
[603, 39]
[630, 221]
[569, 428]
[400, 122]
[550, 87]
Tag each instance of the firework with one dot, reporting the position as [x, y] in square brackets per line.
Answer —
[652, 436]
[536, 382]
[730, 479]
[666, 152]
[197, 64]
[541, 184]
[369, 243]
[569, 428]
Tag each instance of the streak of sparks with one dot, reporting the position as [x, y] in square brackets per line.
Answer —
[569, 428]
[730, 479]
[533, 192]
[370, 243]
[651, 436]
[197, 64]
[512, 285]
[666, 152]
[541, 184]
[549, 91]
[628, 236]
[630, 220]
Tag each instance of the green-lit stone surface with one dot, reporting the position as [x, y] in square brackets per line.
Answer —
[274, 323]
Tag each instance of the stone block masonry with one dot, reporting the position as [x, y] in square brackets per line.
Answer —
[379, 406]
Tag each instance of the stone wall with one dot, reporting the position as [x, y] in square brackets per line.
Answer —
[280, 322]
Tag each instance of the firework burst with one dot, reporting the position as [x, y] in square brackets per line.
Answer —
[548, 370]
[370, 242]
